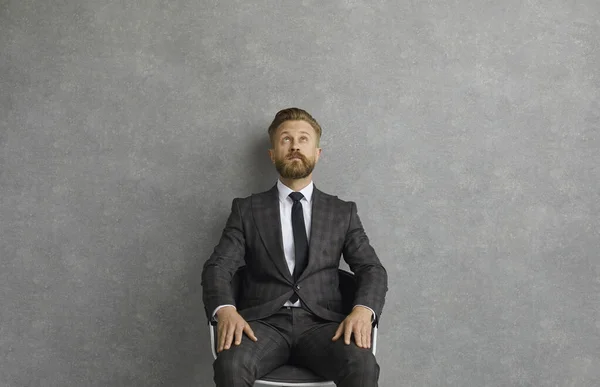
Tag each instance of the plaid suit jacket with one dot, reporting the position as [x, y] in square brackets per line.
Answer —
[252, 237]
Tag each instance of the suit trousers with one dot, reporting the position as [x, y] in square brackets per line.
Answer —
[296, 336]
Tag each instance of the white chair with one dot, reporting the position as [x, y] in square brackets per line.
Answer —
[291, 375]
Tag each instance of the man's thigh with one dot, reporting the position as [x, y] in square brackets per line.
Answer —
[332, 359]
[252, 359]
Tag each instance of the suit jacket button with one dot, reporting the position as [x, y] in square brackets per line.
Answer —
[297, 287]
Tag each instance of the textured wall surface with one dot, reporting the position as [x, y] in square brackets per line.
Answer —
[467, 131]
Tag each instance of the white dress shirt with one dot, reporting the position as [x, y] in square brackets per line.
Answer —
[287, 233]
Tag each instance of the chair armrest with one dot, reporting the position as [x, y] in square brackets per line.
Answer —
[212, 329]
[374, 339]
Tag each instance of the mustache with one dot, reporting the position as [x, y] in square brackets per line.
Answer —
[294, 155]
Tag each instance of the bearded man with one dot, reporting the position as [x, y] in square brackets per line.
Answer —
[291, 239]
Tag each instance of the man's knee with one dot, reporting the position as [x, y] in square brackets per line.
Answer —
[360, 367]
[233, 366]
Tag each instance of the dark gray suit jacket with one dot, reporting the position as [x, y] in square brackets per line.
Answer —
[252, 237]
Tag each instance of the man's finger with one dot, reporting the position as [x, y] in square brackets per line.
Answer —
[338, 332]
[229, 337]
[238, 334]
[368, 336]
[365, 337]
[358, 337]
[250, 332]
[348, 333]
[221, 333]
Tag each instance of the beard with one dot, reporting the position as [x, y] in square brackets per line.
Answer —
[289, 168]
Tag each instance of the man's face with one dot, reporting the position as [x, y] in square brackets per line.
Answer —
[295, 151]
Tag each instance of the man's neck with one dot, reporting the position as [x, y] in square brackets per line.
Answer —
[296, 184]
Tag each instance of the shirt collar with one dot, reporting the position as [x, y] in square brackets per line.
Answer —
[285, 191]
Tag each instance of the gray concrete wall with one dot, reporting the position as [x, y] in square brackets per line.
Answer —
[466, 131]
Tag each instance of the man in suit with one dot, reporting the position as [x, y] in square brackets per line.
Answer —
[291, 239]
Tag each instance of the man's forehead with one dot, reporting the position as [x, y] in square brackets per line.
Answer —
[296, 126]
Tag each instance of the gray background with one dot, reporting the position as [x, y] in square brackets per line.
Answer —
[466, 131]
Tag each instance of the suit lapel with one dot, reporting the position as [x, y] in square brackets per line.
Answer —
[265, 209]
[318, 228]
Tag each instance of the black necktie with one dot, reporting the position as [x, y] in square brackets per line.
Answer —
[300, 239]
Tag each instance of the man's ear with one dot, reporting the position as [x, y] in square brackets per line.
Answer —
[319, 150]
[272, 155]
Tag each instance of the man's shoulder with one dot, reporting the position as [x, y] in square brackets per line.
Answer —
[332, 200]
[260, 196]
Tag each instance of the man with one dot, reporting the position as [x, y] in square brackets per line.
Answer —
[290, 239]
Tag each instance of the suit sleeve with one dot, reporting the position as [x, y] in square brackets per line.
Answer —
[226, 258]
[363, 261]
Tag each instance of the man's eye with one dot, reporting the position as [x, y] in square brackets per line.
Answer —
[286, 139]
[303, 138]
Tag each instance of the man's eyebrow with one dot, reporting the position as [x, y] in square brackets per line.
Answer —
[301, 132]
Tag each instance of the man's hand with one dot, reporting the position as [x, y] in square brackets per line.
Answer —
[358, 323]
[231, 325]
